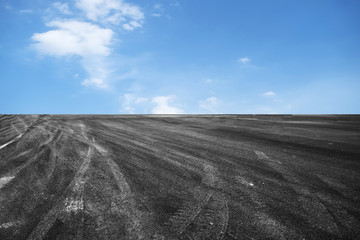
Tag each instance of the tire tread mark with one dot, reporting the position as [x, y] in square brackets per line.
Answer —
[134, 219]
[186, 215]
[212, 221]
[55, 212]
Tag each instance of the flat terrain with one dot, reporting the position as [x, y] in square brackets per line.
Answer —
[179, 177]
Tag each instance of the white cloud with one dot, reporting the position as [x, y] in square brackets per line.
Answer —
[209, 103]
[244, 60]
[112, 11]
[141, 100]
[158, 10]
[62, 8]
[88, 38]
[130, 102]
[7, 6]
[158, 6]
[162, 105]
[25, 11]
[96, 82]
[269, 94]
[73, 37]
[175, 4]
[156, 14]
[208, 80]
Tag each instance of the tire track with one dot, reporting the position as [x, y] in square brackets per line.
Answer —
[187, 214]
[5, 180]
[75, 201]
[315, 211]
[65, 205]
[212, 222]
[11, 141]
[123, 203]
[206, 217]
[50, 142]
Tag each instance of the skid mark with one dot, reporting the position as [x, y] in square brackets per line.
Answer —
[75, 201]
[263, 156]
[313, 210]
[204, 217]
[72, 205]
[338, 209]
[224, 219]
[54, 137]
[187, 214]
[126, 201]
[211, 176]
[318, 215]
[211, 222]
[47, 221]
[10, 224]
[342, 188]
[83, 130]
[5, 180]
[15, 139]
[79, 180]
[57, 136]
[16, 129]
[332, 182]
[271, 226]
[65, 205]
[277, 165]
[120, 179]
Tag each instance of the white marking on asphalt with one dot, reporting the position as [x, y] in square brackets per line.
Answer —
[100, 149]
[74, 205]
[4, 145]
[9, 224]
[5, 180]
[243, 181]
[263, 156]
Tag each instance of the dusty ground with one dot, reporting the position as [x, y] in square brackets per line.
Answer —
[179, 177]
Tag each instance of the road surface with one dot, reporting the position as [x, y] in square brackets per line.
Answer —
[179, 177]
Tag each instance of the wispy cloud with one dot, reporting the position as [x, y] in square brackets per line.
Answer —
[158, 10]
[210, 103]
[96, 82]
[156, 15]
[89, 35]
[7, 6]
[269, 94]
[131, 102]
[162, 105]
[112, 11]
[141, 100]
[175, 3]
[24, 11]
[62, 8]
[244, 60]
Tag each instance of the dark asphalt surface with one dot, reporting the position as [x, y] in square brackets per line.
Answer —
[179, 177]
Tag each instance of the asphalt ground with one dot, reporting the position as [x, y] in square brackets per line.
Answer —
[179, 177]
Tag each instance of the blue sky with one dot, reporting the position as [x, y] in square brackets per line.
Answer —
[180, 56]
